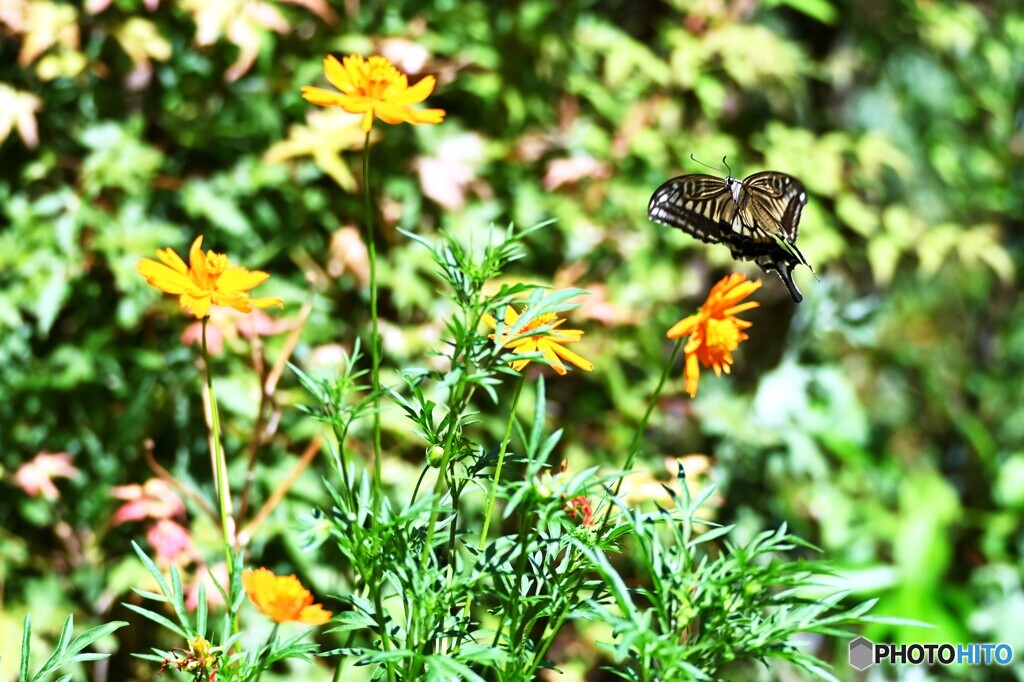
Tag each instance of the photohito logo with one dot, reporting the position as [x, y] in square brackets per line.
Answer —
[864, 653]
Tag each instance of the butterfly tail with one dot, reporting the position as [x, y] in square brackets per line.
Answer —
[784, 268]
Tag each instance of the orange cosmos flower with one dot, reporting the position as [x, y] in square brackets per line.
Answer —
[715, 331]
[210, 279]
[547, 343]
[283, 598]
[374, 87]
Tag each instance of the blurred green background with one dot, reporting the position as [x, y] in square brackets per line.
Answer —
[882, 418]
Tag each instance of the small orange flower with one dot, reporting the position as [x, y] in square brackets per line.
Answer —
[374, 87]
[282, 598]
[210, 279]
[547, 343]
[580, 508]
[715, 331]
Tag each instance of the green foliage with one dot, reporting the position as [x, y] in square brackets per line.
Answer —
[881, 419]
[66, 651]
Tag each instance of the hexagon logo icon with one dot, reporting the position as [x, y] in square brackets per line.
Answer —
[862, 653]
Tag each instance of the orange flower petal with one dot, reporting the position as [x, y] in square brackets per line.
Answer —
[315, 615]
[715, 331]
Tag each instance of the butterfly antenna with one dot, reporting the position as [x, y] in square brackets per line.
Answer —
[726, 166]
[694, 158]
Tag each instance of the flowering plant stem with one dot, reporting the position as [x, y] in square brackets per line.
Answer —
[634, 446]
[375, 344]
[375, 585]
[501, 459]
[220, 465]
[497, 475]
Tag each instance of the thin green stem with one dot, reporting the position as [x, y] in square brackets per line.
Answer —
[220, 465]
[375, 351]
[634, 446]
[554, 622]
[375, 342]
[501, 459]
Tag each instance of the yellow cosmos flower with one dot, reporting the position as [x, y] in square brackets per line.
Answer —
[209, 279]
[548, 343]
[282, 598]
[374, 87]
[715, 331]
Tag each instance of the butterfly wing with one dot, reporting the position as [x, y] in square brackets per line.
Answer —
[761, 226]
[700, 205]
[774, 202]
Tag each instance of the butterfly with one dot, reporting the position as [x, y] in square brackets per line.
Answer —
[756, 218]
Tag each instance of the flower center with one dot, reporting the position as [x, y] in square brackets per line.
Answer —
[216, 263]
[540, 321]
[721, 335]
[379, 75]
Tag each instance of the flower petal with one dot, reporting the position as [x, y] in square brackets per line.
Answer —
[683, 327]
[426, 115]
[582, 363]
[322, 97]
[172, 260]
[164, 277]
[548, 353]
[197, 303]
[692, 373]
[197, 262]
[339, 76]
[416, 93]
[315, 615]
[236, 279]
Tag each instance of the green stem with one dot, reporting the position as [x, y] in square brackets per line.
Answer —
[501, 459]
[375, 342]
[375, 351]
[220, 465]
[634, 446]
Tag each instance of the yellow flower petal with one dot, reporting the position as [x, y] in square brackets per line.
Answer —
[374, 87]
[537, 336]
[237, 278]
[324, 98]
[197, 305]
[163, 277]
[172, 260]
[416, 93]
[570, 356]
[547, 352]
[338, 75]
[209, 280]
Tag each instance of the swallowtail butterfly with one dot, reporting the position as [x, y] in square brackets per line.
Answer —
[756, 218]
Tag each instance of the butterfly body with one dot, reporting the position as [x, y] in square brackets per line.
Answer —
[757, 217]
